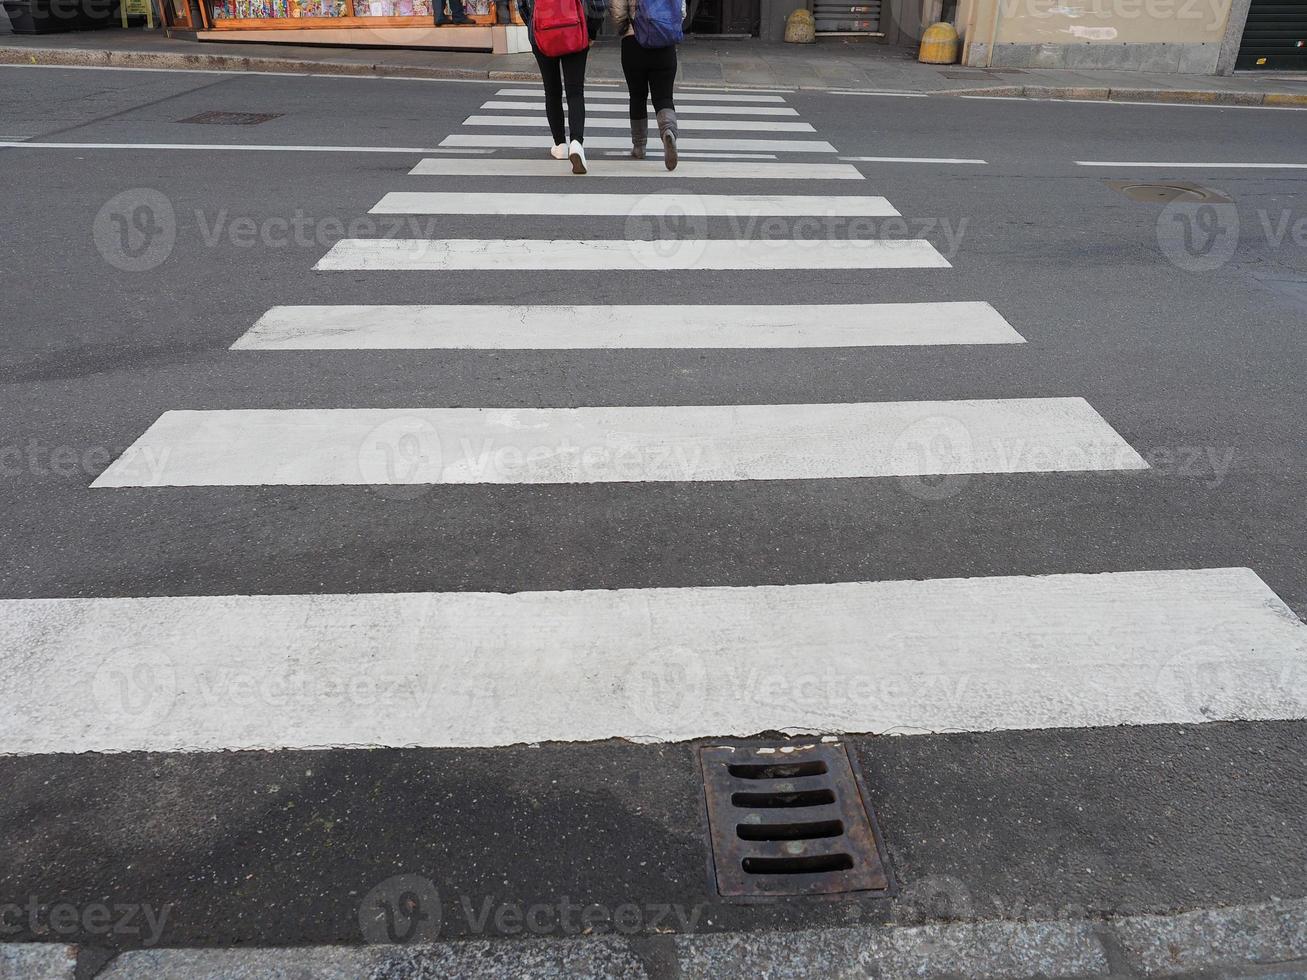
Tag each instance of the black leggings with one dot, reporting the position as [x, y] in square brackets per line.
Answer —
[569, 71]
[649, 73]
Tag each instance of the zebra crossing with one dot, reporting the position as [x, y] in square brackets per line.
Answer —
[496, 668]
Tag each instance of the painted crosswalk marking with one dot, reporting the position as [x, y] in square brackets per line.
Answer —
[655, 326]
[685, 125]
[682, 109]
[592, 94]
[741, 170]
[461, 669]
[619, 444]
[631, 205]
[433, 255]
[533, 142]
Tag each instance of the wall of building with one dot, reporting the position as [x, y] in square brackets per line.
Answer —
[1142, 35]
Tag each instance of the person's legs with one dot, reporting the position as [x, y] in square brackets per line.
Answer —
[637, 87]
[662, 76]
[574, 79]
[552, 77]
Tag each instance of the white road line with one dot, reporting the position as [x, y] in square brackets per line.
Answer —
[245, 147]
[912, 160]
[1160, 105]
[592, 122]
[698, 156]
[619, 327]
[681, 109]
[462, 669]
[691, 155]
[627, 167]
[896, 95]
[693, 143]
[620, 93]
[593, 255]
[619, 444]
[633, 205]
[1159, 165]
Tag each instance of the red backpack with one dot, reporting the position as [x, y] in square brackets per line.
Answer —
[559, 27]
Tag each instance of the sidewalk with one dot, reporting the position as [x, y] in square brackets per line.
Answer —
[1266, 941]
[829, 64]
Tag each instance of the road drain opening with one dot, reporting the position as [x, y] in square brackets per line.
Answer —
[789, 820]
[761, 801]
[772, 771]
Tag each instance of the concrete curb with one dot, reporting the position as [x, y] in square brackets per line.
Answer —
[1243, 941]
[108, 58]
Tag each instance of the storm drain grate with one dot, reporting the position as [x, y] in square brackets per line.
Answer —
[219, 118]
[789, 820]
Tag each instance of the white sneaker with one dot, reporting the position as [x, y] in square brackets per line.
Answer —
[559, 152]
[576, 153]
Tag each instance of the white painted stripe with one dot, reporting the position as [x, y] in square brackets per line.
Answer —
[638, 168]
[532, 142]
[913, 159]
[896, 95]
[242, 147]
[691, 155]
[1151, 164]
[633, 205]
[620, 93]
[1159, 105]
[460, 669]
[588, 327]
[708, 125]
[693, 90]
[681, 110]
[421, 254]
[619, 444]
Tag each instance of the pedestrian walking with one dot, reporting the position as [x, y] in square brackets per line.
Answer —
[560, 33]
[650, 31]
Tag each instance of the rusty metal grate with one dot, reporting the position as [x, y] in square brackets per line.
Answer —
[789, 820]
[219, 118]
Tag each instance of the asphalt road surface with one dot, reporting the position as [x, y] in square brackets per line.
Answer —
[304, 606]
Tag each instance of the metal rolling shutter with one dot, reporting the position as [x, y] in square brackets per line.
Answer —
[1275, 36]
[847, 16]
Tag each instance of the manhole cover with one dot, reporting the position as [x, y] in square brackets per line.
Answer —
[789, 820]
[1166, 193]
[219, 118]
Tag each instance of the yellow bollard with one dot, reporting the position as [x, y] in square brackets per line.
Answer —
[939, 45]
[800, 28]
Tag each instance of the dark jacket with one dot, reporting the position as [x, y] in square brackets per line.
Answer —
[595, 12]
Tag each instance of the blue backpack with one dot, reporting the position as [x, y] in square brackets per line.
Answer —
[657, 23]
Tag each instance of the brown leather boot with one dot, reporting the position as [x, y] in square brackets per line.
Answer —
[639, 137]
[667, 132]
